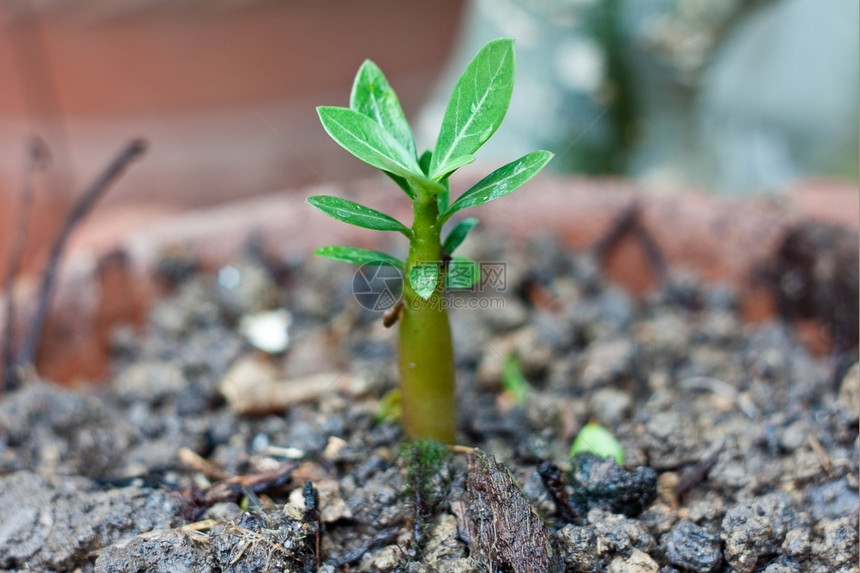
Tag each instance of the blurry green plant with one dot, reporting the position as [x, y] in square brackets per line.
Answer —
[596, 439]
[374, 129]
[513, 381]
[389, 409]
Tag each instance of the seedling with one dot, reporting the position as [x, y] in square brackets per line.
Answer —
[596, 439]
[374, 129]
[513, 381]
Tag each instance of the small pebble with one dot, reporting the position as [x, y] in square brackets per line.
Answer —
[386, 559]
[578, 546]
[601, 483]
[636, 562]
[610, 406]
[267, 331]
[756, 528]
[832, 499]
[796, 543]
[692, 548]
[607, 361]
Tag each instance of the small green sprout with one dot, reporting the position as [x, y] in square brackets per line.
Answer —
[389, 408]
[598, 440]
[513, 381]
[374, 129]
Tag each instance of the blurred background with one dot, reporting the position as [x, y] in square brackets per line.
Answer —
[730, 96]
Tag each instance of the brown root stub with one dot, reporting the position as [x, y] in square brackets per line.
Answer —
[553, 481]
[503, 527]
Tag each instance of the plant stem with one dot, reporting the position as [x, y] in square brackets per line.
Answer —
[426, 352]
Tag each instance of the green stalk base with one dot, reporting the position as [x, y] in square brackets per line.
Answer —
[427, 373]
[426, 352]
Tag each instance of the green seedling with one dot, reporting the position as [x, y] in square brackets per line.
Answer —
[598, 440]
[374, 129]
[513, 381]
[389, 407]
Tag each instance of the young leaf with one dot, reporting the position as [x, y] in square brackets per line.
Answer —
[463, 273]
[453, 166]
[355, 214]
[389, 409]
[598, 440]
[402, 183]
[477, 105]
[443, 199]
[504, 180]
[458, 234]
[372, 96]
[424, 162]
[423, 279]
[513, 380]
[368, 141]
[358, 256]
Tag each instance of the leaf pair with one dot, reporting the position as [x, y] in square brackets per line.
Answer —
[499, 183]
[374, 128]
[461, 273]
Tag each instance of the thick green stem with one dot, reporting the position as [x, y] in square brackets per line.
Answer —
[426, 352]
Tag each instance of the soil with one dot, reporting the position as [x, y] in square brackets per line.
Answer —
[741, 451]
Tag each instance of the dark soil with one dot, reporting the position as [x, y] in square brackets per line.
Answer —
[741, 455]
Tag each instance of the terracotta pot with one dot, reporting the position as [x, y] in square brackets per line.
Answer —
[224, 92]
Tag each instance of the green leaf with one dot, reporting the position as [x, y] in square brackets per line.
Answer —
[358, 256]
[504, 180]
[513, 380]
[402, 183]
[463, 273]
[424, 162]
[433, 187]
[443, 199]
[477, 105]
[423, 278]
[458, 234]
[598, 440]
[368, 141]
[453, 166]
[390, 408]
[355, 214]
[372, 96]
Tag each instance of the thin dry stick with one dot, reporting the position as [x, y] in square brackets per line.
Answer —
[38, 159]
[80, 210]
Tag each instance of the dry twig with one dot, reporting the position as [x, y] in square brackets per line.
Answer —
[79, 211]
[38, 159]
